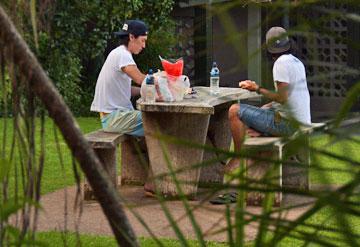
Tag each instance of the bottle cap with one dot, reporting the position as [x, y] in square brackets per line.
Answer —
[214, 70]
[150, 77]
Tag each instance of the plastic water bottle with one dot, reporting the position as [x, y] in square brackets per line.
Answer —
[150, 87]
[214, 79]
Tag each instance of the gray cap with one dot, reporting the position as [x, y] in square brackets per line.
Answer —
[277, 40]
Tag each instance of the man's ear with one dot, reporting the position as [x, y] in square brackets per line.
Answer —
[131, 37]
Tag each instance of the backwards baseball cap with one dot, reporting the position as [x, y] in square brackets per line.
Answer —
[135, 27]
[277, 40]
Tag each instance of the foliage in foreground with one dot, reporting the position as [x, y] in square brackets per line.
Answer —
[331, 220]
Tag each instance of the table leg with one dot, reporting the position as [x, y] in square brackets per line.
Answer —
[186, 126]
[219, 136]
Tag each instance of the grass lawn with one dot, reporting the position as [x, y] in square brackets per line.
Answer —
[334, 171]
[54, 176]
[57, 239]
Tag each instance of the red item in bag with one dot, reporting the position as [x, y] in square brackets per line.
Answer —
[173, 69]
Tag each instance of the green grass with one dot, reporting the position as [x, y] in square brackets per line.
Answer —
[57, 239]
[326, 218]
[54, 177]
[334, 171]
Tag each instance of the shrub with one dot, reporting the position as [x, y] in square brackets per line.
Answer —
[75, 37]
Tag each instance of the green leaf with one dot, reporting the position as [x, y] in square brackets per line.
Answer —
[8, 208]
[12, 205]
[5, 166]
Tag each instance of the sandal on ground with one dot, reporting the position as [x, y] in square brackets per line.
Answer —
[225, 198]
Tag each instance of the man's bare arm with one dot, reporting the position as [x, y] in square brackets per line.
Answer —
[134, 73]
[280, 96]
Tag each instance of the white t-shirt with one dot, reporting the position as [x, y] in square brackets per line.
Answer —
[289, 69]
[113, 86]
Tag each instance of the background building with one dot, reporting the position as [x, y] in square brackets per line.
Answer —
[232, 34]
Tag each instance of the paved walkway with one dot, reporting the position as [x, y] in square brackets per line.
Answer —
[211, 218]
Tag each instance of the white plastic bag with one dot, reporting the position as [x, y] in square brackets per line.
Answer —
[171, 88]
[179, 87]
[164, 88]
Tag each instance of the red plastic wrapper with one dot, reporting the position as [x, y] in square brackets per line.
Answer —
[173, 69]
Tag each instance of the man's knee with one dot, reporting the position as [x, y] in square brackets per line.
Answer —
[234, 111]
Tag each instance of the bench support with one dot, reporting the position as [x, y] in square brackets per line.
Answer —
[290, 173]
[133, 160]
[107, 157]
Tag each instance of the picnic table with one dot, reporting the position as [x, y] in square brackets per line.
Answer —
[202, 119]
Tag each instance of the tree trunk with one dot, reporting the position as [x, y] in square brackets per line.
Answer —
[17, 51]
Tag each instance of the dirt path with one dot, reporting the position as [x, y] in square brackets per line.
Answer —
[210, 218]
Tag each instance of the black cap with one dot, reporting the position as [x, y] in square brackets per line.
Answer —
[135, 27]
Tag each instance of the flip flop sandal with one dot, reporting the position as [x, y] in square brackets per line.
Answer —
[226, 198]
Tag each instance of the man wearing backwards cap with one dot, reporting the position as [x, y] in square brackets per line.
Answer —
[113, 88]
[290, 101]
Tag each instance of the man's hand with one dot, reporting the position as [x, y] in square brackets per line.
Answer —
[248, 85]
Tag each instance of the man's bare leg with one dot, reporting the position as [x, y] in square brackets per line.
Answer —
[238, 131]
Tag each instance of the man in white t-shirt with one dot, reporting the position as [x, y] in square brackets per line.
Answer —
[113, 88]
[290, 106]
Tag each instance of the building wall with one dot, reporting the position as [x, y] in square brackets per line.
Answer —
[327, 55]
[204, 39]
[229, 48]
[207, 39]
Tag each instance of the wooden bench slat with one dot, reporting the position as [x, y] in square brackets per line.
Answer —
[102, 139]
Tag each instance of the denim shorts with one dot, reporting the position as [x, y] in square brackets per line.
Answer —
[123, 121]
[266, 121]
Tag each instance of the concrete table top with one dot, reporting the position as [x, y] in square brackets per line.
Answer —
[202, 102]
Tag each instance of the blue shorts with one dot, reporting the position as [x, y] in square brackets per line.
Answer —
[123, 121]
[266, 121]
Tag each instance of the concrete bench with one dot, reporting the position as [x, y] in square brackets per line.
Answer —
[134, 160]
[271, 164]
